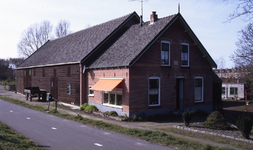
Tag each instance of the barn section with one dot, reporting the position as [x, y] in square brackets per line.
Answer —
[59, 65]
[63, 81]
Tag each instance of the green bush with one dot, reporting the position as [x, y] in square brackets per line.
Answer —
[106, 113]
[113, 113]
[83, 106]
[244, 124]
[90, 108]
[216, 121]
[187, 116]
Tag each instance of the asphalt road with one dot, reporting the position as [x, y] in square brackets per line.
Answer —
[55, 133]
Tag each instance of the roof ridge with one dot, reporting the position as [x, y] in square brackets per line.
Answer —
[95, 26]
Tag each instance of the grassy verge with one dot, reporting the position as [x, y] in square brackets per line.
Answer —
[218, 139]
[9, 139]
[152, 136]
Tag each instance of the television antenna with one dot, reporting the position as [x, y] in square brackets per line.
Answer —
[141, 5]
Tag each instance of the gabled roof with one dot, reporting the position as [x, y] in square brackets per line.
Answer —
[74, 47]
[133, 44]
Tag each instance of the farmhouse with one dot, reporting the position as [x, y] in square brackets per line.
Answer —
[126, 65]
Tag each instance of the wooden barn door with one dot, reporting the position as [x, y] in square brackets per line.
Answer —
[27, 80]
[54, 87]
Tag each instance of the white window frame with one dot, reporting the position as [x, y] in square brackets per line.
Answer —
[167, 42]
[90, 93]
[235, 91]
[68, 89]
[187, 55]
[114, 92]
[202, 96]
[158, 91]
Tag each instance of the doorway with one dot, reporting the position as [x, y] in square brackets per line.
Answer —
[54, 87]
[180, 94]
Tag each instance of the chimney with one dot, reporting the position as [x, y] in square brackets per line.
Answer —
[141, 20]
[153, 17]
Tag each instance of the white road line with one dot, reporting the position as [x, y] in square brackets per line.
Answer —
[97, 144]
[28, 118]
[54, 128]
[11, 111]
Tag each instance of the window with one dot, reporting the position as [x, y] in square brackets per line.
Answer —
[30, 72]
[223, 91]
[68, 71]
[233, 90]
[68, 89]
[34, 72]
[154, 91]
[43, 72]
[165, 53]
[198, 89]
[113, 98]
[91, 92]
[185, 55]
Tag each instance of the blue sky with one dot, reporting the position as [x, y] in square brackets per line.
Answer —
[205, 17]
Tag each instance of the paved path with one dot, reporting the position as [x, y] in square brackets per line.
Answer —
[56, 133]
[138, 125]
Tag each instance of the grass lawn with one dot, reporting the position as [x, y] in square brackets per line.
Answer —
[10, 140]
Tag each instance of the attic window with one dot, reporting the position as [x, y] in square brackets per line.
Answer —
[165, 53]
[185, 55]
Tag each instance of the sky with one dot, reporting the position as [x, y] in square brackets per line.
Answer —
[205, 17]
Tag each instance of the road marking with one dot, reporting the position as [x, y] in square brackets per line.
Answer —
[54, 128]
[11, 111]
[97, 144]
[106, 133]
[28, 118]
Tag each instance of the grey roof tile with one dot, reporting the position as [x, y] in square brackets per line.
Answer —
[73, 47]
[131, 44]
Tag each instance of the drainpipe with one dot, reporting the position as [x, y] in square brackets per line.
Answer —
[81, 84]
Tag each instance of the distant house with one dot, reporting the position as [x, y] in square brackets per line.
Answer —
[233, 85]
[125, 65]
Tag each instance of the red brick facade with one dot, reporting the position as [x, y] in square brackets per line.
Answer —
[149, 65]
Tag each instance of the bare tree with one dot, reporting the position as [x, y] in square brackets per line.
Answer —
[221, 62]
[243, 9]
[243, 55]
[62, 29]
[34, 37]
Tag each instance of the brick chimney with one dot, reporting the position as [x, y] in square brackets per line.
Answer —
[153, 17]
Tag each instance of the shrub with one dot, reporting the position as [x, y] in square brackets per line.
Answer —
[90, 108]
[216, 121]
[187, 116]
[134, 117]
[83, 106]
[106, 113]
[244, 124]
[113, 113]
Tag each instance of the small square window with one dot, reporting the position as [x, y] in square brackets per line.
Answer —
[68, 89]
[91, 92]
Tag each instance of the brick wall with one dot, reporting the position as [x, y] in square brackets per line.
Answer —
[93, 77]
[150, 65]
